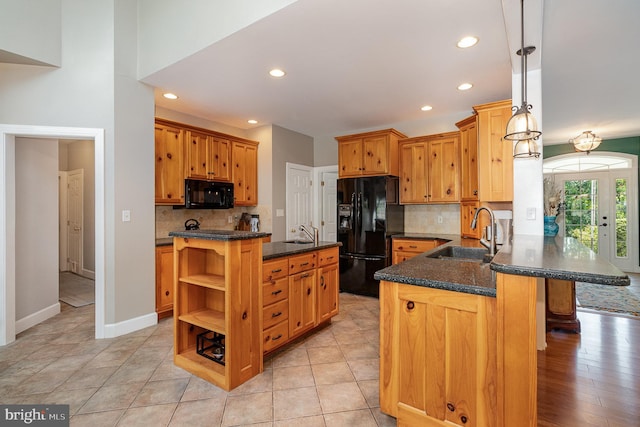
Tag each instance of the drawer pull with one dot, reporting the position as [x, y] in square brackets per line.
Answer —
[304, 263]
[308, 291]
[304, 275]
[413, 246]
[276, 314]
[277, 270]
[329, 257]
[277, 337]
[276, 292]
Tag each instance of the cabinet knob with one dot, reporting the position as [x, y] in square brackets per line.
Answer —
[448, 191]
[169, 156]
[308, 291]
[167, 293]
[464, 419]
[244, 315]
[410, 305]
[451, 407]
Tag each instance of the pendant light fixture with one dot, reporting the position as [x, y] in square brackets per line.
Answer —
[586, 141]
[523, 126]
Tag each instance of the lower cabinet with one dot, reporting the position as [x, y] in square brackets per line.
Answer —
[164, 281]
[435, 365]
[298, 293]
[404, 249]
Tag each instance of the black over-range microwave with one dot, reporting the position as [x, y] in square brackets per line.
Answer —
[207, 195]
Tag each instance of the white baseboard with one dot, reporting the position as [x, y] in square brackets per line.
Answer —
[37, 317]
[88, 274]
[121, 328]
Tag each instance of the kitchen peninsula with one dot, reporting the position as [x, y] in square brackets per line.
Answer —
[232, 296]
[458, 336]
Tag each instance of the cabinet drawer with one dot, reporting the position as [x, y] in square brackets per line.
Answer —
[275, 313]
[275, 269]
[302, 263]
[275, 336]
[416, 246]
[274, 291]
[327, 256]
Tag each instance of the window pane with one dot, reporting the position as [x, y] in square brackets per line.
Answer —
[621, 218]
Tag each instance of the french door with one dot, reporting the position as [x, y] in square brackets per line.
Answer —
[598, 212]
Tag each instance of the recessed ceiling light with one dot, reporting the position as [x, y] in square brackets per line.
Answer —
[427, 108]
[276, 72]
[468, 41]
[169, 95]
[252, 122]
[465, 86]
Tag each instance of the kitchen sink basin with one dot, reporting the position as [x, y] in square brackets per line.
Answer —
[299, 242]
[461, 253]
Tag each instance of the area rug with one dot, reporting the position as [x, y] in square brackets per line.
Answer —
[614, 299]
[76, 290]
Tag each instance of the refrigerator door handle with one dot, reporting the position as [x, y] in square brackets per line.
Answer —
[362, 257]
[359, 212]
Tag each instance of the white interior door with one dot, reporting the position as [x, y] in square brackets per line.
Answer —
[599, 211]
[63, 221]
[328, 222]
[74, 223]
[299, 199]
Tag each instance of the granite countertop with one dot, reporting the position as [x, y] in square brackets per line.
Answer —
[219, 234]
[282, 249]
[537, 256]
[426, 236]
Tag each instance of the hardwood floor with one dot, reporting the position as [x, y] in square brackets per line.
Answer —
[592, 378]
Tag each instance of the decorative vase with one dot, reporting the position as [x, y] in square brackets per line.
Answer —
[550, 226]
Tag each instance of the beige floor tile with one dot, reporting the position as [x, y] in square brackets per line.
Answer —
[206, 412]
[101, 419]
[292, 377]
[371, 391]
[112, 397]
[361, 418]
[147, 416]
[88, 377]
[131, 374]
[365, 369]
[295, 403]
[359, 351]
[341, 397]
[317, 421]
[321, 338]
[383, 420]
[168, 370]
[248, 409]
[350, 337]
[74, 398]
[332, 373]
[160, 392]
[41, 382]
[291, 357]
[328, 354]
[257, 384]
[201, 389]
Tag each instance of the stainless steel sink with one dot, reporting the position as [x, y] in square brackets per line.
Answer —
[299, 242]
[461, 253]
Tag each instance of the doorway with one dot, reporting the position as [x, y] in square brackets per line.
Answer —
[299, 205]
[600, 199]
[8, 134]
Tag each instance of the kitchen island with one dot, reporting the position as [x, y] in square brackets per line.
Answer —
[222, 298]
[458, 336]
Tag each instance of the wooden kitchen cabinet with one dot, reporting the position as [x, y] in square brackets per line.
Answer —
[208, 157]
[169, 169]
[467, 211]
[245, 172]
[495, 155]
[164, 281]
[469, 188]
[275, 303]
[369, 154]
[302, 293]
[436, 364]
[328, 284]
[404, 249]
[429, 169]
[217, 292]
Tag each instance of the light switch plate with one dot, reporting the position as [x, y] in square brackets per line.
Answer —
[126, 216]
[279, 212]
[531, 213]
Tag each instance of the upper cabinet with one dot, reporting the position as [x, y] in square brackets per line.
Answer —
[245, 172]
[208, 157]
[369, 154]
[469, 188]
[429, 169]
[169, 145]
[495, 154]
[184, 151]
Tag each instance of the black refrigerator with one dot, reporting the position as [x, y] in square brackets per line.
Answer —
[368, 214]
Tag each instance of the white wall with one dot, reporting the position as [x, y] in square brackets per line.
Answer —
[36, 212]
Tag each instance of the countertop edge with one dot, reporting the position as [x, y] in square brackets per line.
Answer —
[273, 250]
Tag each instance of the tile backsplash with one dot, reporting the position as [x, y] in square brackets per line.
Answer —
[424, 219]
[170, 219]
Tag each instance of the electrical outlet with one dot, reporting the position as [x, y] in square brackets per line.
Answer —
[230, 220]
[531, 213]
[439, 219]
[126, 216]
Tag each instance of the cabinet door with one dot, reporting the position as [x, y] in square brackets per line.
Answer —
[328, 277]
[245, 173]
[469, 163]
[413, 173]
[446, 372]
[444, 156]
[350, 158]
[302, 302]
[219, 159]
[196, 159]
[495, 154]
[169, 185]
[164, 280]
[404, 249]
[467, 211]
[375, 158]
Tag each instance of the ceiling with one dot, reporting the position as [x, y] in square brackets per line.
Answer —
[352, 66]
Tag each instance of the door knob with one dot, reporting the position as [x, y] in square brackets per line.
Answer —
[603, 224]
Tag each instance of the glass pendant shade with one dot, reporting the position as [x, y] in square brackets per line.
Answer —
[586, 141]
[526, 148]
[522, 125]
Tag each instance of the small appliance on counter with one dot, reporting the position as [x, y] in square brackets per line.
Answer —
[255, 223]
[504, 226]
[192, 224]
